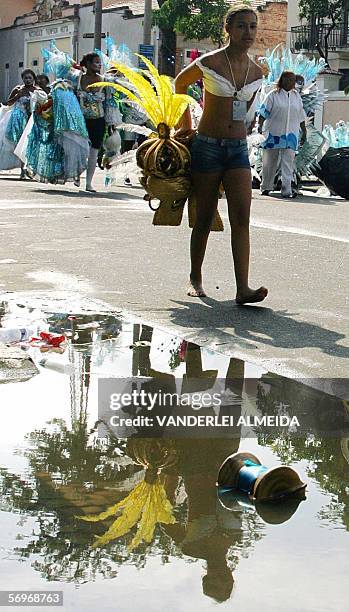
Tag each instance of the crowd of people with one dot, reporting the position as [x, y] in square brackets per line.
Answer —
[54, 133]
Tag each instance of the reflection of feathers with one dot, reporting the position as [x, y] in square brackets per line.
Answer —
[145, 506]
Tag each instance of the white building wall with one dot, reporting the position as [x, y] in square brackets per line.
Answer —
[292, 18]
[127, 31]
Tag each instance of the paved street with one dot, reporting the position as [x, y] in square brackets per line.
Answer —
[105, 247]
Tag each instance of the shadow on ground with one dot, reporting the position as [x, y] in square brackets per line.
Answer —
[227, 323]
[307, 199]
[79, 194]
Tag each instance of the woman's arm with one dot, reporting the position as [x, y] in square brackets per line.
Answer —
[15, 95]
[186, 77]
[304, 133]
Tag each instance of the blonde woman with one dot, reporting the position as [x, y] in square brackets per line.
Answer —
[219, 150]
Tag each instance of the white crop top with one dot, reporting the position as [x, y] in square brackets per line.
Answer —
[218, 85]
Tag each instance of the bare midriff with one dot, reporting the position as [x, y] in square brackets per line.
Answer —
[216, 120]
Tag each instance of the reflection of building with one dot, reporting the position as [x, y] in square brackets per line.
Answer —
[28, 26]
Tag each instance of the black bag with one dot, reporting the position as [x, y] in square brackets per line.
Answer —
[334, 171]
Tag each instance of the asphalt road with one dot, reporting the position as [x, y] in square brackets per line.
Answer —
[105, 246]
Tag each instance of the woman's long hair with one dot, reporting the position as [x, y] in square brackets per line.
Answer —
[286, 73]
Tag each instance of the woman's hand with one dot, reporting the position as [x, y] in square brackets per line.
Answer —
[184, 135]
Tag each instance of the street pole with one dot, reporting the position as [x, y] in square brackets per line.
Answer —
[147, 22]
[98, 24]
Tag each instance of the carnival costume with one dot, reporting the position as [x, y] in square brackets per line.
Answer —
[165, 162]
[57, 148]
[100, 110]
[13, 121]
[129, 115]
[324, 154]
[278, 61]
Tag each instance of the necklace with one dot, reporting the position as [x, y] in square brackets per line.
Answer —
[232, 74]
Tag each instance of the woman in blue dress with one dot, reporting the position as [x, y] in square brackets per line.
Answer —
[58, 144]
[14, 120]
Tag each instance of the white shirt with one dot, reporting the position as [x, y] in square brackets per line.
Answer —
[283, 112]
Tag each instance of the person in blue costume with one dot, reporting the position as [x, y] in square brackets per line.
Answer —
[58, 148]
[99, 109]
[14, 120]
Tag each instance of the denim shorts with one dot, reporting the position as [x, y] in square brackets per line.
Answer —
[218, 154]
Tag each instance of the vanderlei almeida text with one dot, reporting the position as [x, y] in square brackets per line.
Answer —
[202, 420]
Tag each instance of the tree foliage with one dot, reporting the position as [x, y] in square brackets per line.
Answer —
[194, 19]
[332, 10]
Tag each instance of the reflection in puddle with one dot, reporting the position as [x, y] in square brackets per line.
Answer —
[76, 508]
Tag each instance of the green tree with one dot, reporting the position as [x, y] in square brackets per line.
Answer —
[331, 10]
[194, 19]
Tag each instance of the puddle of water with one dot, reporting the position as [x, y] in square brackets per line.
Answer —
[170, 542]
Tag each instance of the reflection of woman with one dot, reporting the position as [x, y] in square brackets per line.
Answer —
[16, 120]
[219, 149]
[282, 115]
[98, 108]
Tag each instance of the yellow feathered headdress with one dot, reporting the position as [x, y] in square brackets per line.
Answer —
[160, 103]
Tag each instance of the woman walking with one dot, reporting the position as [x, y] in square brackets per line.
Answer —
[281, 116]
[99, 110]
[219, 150]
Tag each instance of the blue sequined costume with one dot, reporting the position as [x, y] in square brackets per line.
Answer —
[13, 122]
[19, 119]
[57, 149]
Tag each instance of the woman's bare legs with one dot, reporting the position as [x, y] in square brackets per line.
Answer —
[206, 193]
[91, 169]
[237, 186]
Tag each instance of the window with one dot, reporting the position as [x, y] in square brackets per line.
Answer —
[344, 82]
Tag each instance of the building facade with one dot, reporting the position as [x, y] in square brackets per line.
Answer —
[272, 31]
[307, 37]
[10, 9]
[71, 25]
